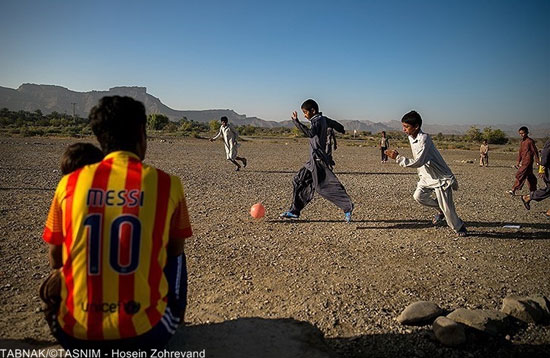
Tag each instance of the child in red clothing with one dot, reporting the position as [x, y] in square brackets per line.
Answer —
[527, 151]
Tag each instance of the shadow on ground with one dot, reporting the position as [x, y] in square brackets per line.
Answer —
[475, 228]
[286, 338]
[336, 172]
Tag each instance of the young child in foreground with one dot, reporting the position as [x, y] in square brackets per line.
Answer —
[78, 155]
[435, 175]
[75, 157]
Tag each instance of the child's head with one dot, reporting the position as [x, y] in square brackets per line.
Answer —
[310, 108]
[523, 132]
[78, 155]
[224, 120]
[411, 123]
[383, 133]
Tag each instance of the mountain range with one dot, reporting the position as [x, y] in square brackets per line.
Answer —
[50, 98]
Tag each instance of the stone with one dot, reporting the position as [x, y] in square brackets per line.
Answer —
[448, 332]
[419, 313]
[543, 303]
[525, 309]
[488, 321]
[252, 337]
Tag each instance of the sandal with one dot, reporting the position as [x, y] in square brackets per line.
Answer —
[438, 218]
[462, 232]
[525, 203]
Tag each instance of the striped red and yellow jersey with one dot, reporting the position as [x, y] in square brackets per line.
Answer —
[114, 220]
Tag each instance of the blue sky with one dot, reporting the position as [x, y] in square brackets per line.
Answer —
[469, 61]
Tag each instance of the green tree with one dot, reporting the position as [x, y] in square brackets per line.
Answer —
[185, 125]
[157, 121]
[214, 125]
[473, 135]
[494, 136]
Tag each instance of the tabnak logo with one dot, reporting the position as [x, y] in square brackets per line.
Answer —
[130, 307]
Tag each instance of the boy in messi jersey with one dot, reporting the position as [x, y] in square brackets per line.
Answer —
[116, 231]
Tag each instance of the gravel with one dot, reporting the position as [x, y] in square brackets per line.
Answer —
[350, 281]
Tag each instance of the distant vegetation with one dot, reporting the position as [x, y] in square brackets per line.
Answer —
[23, 123]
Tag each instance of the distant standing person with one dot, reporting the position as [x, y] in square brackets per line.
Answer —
[384, 145]
[527, 151]
[484, 154]
[435, 176]
[230, 136]
[316, 175]
[542, 193]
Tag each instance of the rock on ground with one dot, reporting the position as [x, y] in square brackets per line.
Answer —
[489, 321]
[523, 308]
[448, 332]
[419, 313]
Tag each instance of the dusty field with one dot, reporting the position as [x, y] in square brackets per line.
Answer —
[350, 281]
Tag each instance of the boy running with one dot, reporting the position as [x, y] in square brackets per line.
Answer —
[542, 193]
[230, 136]
[316, 175]
[527, 151]
[435, 175]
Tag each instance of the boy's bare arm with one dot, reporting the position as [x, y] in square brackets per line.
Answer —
[307, 132]
[56, 256]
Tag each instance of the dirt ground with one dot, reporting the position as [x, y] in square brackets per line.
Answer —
[349, 280]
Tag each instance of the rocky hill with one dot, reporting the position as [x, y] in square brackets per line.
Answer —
[50, 98]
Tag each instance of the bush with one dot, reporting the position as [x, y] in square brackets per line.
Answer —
[214, 125]
[473, 135]
[157, 121]
[495, 136]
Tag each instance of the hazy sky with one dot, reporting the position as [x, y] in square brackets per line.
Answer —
[463, 61]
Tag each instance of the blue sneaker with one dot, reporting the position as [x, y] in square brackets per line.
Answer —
[347, 216]
[289, 215]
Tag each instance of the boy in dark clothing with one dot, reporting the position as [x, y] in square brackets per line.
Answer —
[331, 142]
[316, 174]
[542, 193]
[527, 151]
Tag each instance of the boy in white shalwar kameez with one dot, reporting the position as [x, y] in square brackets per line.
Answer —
[230, 136]
[435, 175]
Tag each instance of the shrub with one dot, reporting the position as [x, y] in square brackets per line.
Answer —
[157, 121]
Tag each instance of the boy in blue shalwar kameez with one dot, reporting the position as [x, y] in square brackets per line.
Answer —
[316, 175]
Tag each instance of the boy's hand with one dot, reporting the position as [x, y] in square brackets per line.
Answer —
[392, 153]
[294, 116]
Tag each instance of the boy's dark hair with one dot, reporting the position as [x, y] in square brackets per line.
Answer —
[224, 119]
[384, 132]
[118, 123]
[310, 104]
[78, 155]
[524, 129]
[412, 118]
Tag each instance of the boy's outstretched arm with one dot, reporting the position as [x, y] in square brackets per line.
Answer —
[216, 136]
[420, 160]
[307, 132]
